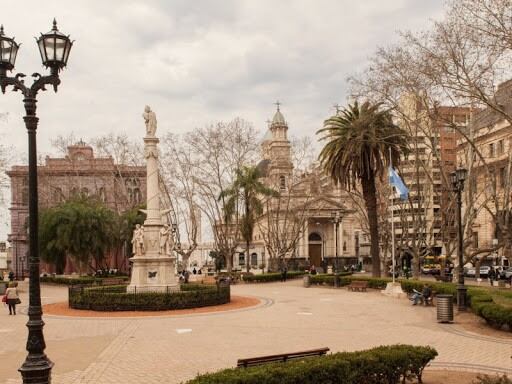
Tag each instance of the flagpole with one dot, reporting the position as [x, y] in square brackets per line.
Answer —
[392, 224]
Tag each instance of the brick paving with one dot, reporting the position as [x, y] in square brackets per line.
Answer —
[175, 349]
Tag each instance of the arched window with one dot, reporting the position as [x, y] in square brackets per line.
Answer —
[102, 194]
[315, 237]
[241, 258]
[57, 195]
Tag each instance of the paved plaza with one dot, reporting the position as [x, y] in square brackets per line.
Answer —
[289, 318]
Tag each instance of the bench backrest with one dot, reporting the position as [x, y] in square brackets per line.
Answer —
[252, 361]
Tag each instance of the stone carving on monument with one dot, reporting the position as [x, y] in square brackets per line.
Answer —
[153, 263]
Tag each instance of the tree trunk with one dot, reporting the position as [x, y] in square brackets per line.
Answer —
[229, 262]
[248, 257]
[370, 199]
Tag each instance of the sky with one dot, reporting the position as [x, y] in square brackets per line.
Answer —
[197, 62]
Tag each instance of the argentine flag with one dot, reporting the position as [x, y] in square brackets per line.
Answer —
[399, 185]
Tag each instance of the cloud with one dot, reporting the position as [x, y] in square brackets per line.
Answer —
[199, 61]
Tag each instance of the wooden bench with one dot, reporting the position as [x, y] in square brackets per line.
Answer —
[359, 286]
[252, 361]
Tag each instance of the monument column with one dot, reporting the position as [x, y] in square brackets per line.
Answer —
[153, 265]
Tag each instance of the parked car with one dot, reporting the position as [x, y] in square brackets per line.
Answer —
[471, 271]
[507, 273]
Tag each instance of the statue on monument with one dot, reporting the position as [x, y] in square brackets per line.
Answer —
[138, 240]
[150, 120]
[164, 240]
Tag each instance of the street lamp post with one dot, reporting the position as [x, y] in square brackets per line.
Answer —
[457, 178]
[54, 48]
[336, 218]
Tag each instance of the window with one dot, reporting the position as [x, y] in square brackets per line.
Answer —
[474, 184]
[102, 194]
[475, 239]
[282, 182]
[501, 147]
[503, 177]
[241, 258]
[57, 195]
[492, 151]
[254, 259]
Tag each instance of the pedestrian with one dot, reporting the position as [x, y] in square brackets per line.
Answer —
[284, 273]
[11, 276]
[312, 270]
[194, 271]
[492, 275]
[12, 298]
[199, 271]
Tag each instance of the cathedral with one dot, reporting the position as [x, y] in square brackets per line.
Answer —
[311, 221]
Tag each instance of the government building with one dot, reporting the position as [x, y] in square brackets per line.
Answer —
[119, 186]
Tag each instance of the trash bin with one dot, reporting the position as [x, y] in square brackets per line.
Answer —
[444, 308]
[307, 281]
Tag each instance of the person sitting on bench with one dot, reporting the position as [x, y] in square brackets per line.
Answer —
[423, 296]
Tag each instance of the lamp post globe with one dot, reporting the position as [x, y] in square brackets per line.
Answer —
[8, 52]
[54, 48]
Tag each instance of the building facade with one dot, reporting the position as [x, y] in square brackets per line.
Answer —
[119, 186]
[487, 195]
[298, 227]
[423, 222]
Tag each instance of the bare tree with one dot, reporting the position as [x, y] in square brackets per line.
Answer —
[216, 152]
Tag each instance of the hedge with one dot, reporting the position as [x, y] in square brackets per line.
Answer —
[115, 298]
[83, 280]
[381, 365]
[268, 277]
[328, 279]
[480, 299]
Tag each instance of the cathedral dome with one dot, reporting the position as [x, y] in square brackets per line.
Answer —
[278, 118]
[262, 167]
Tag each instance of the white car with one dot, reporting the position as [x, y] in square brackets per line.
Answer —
[484, 271]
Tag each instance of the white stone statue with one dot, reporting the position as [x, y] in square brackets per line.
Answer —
[164, 240]
[138, 240]
[150, 120]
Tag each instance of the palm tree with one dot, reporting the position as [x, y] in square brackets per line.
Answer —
[245, 194]
[360, 141]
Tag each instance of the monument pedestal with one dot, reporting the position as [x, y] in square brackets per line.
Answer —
[394, 290]
[153, 274]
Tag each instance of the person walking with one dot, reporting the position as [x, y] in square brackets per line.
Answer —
[492, 275]
[12, 297]
[284, 273]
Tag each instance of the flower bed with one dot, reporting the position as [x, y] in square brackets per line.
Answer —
[115, 298]
[381, 365]
[328, 279]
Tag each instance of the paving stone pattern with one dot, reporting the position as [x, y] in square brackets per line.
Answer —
[174, 349]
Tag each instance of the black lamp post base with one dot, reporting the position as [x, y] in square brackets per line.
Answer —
[36, 370]
[461, 297]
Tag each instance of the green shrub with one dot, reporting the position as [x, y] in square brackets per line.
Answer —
[492, 380]
[327, 279]
[268, 277]
[82, 280]
[115, 298]
[381, 365]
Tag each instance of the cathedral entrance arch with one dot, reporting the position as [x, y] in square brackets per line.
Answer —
[315, 249]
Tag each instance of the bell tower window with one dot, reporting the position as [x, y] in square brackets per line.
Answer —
[282, 182]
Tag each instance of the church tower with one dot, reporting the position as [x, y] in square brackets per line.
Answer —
[278, 150]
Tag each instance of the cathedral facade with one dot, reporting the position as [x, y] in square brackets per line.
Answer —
[311, 222]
